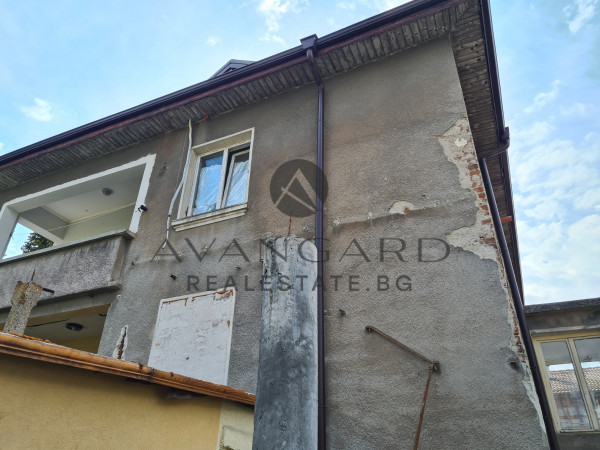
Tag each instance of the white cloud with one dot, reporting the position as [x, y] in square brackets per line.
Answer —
[558, 170]
[346, 5]
[377, 5]
[268, 37]
[537, 132]
[273, 11]
[213, 40]
[543, 98]
[1, 146]
[41, 110]
[560, 260]
[580, 12]
[557, 197]
[577, 109]
[589, 200]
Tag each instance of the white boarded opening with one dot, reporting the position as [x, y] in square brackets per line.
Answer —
[193, 335]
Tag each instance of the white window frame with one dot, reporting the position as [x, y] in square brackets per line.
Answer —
[227, 145]
[9, 213]
[579, 374]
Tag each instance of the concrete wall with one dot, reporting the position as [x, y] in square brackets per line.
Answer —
[44, 405]
[400, 165]
[88, 267]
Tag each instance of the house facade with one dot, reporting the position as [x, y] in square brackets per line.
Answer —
[160, 217]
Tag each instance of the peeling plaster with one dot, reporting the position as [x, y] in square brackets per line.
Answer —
[401, 207]
[119, 351]
[478, 238]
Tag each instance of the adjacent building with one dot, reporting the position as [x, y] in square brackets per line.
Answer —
[567, 340]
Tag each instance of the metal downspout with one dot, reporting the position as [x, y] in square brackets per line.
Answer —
[310, 45]
[518, 305]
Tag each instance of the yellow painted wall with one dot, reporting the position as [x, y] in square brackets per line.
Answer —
[237, 427]
[48, 406]
[87, 344]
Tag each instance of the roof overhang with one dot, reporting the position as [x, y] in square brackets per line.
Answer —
[33, 348]
[466, 22]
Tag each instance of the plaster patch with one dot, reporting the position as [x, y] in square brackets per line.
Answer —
[401, 207]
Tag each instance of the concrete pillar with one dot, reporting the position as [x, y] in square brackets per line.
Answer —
[285, 415]
[24, 298]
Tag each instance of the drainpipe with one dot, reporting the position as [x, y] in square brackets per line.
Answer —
[518, 305]
[310, 45]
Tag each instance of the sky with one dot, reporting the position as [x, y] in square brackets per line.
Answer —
[67, 63]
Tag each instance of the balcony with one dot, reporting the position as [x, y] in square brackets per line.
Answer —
[81, 267]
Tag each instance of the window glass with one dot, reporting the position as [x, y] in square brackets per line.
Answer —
[209, 179]
[238, 180]
[588, 351]
[565, 388]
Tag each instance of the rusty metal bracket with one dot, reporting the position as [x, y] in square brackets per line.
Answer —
[434, 366]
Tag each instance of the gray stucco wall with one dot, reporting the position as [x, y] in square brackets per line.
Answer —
[393, 145]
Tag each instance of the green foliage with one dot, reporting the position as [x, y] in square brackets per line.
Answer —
[35, 242]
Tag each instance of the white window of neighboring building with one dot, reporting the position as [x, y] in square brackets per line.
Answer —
[572, 378]
[216, 183]
[100, 203]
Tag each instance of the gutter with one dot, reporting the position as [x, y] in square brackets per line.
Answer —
[34, 348]
[492, 63]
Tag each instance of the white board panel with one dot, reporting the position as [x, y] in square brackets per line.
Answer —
[193, 335]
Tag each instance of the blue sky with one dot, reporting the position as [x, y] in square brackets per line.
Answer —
[67, 63]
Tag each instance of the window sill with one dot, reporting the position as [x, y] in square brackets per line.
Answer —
[210, 217]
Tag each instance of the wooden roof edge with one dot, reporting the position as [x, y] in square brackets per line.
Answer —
[34, 348]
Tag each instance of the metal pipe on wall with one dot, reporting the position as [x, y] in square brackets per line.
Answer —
[518, 305]
[310, 44]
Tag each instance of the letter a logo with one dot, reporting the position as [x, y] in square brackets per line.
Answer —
[293, 188]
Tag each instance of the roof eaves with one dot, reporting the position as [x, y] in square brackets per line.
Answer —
[33, 348]
[268, 64]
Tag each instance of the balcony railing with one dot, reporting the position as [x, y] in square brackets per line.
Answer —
[87, 266]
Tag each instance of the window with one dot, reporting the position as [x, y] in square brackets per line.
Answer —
[572, 377]
[220, 185]
[216, 183]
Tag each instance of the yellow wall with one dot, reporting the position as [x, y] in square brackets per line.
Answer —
[48, 406]
[87, 344]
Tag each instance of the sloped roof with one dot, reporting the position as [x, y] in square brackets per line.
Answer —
[230, 66]
[565, 381]
[34, 348]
